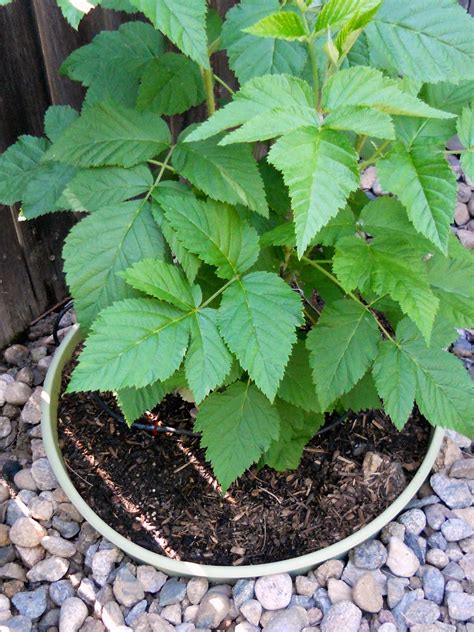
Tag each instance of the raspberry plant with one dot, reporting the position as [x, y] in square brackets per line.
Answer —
[241, 260]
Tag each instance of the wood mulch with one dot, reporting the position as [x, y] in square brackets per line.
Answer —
[160, 492]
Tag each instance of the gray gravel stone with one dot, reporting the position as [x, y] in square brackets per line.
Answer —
[291, 620]
[252, 611]
[17, 355]
[437, 558]
[43, 474]
[128, 590]
[413, 520]
[31, 413]
[460, 606]
[456, 529]
[433, 584]
[274, 591]
[151, 579]
[60, 591]
[331, 568]
[58, 546]
[112, 616]
[196, 589]
[103, 563]
[19, 623]
[27, 532]
[455, 493]
[172, 592]
[243, 590]
[367, 595]
[73, 614]
[418, 545]
[401, 559]
[137, 610]
[464, 468]
[342, 616]
[395, 590]
[5, 427]
[422, 611]
[212, 610]
[17, 393]
[305, 585]
[31, 604]
[370, 555]
[50, 570]
[67, 528]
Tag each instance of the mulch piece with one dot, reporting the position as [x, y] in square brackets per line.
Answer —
[159, 492]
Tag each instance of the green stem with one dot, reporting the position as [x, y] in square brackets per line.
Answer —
[224, 84]
[459, 151]
[160, 173]
[360, 143]
[208, 80]
[374, 156]
[219, 292]
[314, 71]
[351, 295]
[158, 163]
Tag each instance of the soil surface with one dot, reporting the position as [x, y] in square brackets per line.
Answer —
[159, 491]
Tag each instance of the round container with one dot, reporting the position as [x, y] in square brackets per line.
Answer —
[296, 565]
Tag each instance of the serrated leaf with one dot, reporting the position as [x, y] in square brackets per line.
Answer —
[363, 396]
[444, 391]
[465, 128]
[266, 107]
[297, 387]
[17, 164]
[422, 179]
[368, 87]
[110, 134]
[184, 23]
[451, 280]
[237, 426]
[118, 5]
[284, 25]
[113, 63]
[171, 84]
[320, 169]
[161, 280]
[281, 235]
[343, 225]
[118, 355]
[448, 96]
[75, 11]
[336, 13]
[440, 40]
[389, 267]
[361, 120]
[92, 189]
[296, 429]
[103, 244]
[44, 189]
[212, 231]
[395, 378]
[275, 188]
[251, 56]
[342, 346]
[57, 119]
[227, 174]
[247, 308]
[208, 361]
[134, 402]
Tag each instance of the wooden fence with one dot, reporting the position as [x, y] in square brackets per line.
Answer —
[34, 40]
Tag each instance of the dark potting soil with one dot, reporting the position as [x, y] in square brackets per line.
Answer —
[159, 492]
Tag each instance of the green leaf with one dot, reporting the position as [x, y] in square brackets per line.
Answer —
[251, 56]
[57, 119]
[170, 85]
[118, 5]
[212, 231]
[465, 128]
[451, 280]
[113, 63]
[439, 40]
[103, 244]
[258, 317]
[343, 225]
[227, 174]
[423, 181]
[367, 87]
[133, 343]
[395, 378]
[44, 189]
[17, 164]
[266, 107]
[237, 426]
[110, 134]
[134, 402]
[297, 387]
[281, 235]
[296, 429]
[74, 11]
[162, 280]
[342, 346]
[320, 169]
[284, 25]
[448, 96]
[361, 120]
[276, 191]
[208, 361]
[184, 23]
[92, 189]
[389, 267]
[336, 13]
[363, 396]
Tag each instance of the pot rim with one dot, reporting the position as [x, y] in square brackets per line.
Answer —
[296, 565]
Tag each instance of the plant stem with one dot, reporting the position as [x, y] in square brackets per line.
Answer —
[224, 84]
[160, 164]
[352, 296]
[160, 174]
[360, 143]
[458, 151]
[374, 156]
[208, 79]
[219, 292]
[315, 72]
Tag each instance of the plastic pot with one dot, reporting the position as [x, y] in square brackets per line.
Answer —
[297, 565]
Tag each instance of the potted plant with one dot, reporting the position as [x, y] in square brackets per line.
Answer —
[240, 259]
